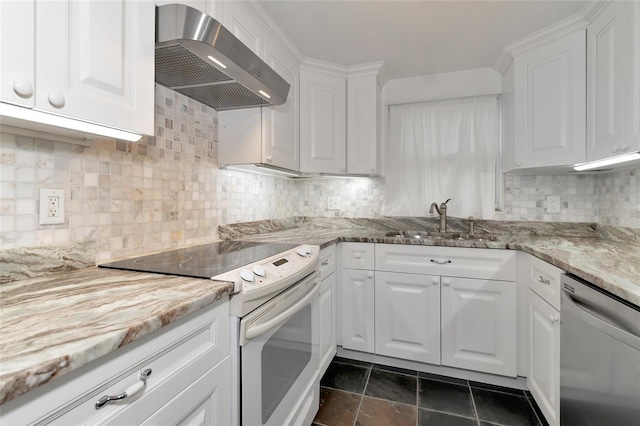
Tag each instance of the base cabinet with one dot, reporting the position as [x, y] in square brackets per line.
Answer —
[407, 316]
[358, 318]
[327, 302]
[479, 325]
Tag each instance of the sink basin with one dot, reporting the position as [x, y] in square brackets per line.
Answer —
[416, 235]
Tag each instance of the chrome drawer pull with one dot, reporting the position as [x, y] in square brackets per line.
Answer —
[543, 281]
[131, 390]
[440, 262]
[324, 262]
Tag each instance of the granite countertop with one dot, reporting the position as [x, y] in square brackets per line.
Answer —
[608, 258]
[56, 323]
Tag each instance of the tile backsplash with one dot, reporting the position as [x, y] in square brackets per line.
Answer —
[166, 191]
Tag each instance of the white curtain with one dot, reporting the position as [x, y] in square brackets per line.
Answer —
[439, 150]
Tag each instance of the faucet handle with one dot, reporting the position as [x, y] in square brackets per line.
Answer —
[448, 199]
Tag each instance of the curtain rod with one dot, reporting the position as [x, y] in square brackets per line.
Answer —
[497, 96]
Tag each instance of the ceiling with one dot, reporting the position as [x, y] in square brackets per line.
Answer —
[413, 37]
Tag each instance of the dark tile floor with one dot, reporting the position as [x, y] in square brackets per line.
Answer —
[355, 393]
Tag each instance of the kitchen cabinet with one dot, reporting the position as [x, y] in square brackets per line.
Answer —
[328, 307]
[92, 61]
[238, 19]
[479, 325]
[543, 317]
[613, 81]
[549, 104]
[407, 316]
[322, 121]
[364, 96]
[358, 295]
[340, 111]
[189, 380]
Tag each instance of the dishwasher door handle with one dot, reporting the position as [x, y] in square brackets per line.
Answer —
[600, 320]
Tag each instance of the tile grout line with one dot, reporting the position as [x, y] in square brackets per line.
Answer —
[355, 420]
[473, 402]
[535, 412]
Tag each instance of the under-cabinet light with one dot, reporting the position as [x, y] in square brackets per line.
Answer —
[27, 114]
[217, 61]
[263, 93]
[607, 161]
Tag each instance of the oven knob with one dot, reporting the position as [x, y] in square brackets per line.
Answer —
[259, 270]
[246, 275]
[304, 250]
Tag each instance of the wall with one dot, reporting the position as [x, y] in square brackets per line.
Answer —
[165, 191]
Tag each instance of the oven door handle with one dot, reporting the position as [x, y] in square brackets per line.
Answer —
[258, 328]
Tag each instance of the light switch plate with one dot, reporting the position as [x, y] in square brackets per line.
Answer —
[51, 207]
[553, 204]
[334, 203]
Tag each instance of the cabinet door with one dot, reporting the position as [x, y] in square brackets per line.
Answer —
[322, 123]
[407, 315]
[550, 103]
[206, 402]
[632, 76]
[95, 61]
[327, 304]
[281, 135]
[363, 125]
[605, 83]
[17, 52]
[358, 310]
[543, 379]
[479, 325]
[238, 20]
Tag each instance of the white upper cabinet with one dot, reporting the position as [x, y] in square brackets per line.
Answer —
[281, 131]
[17, 55]
[243, 25]
[613, 81]
[322, 122]
[363, 122]
[91, 61]
[549, 103]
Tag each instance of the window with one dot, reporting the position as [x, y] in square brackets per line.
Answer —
[444, 149]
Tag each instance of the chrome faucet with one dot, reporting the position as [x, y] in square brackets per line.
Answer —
[442, 211]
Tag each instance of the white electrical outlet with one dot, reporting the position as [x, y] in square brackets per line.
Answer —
[334, 203]
[553, 204]
[51, 206]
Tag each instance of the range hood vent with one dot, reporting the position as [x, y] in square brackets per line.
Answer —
[198, 57]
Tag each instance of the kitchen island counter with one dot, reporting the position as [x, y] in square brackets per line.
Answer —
[54, 324]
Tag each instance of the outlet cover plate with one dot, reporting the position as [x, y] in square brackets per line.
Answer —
[553, 204]
[44, 218]
[334, 203]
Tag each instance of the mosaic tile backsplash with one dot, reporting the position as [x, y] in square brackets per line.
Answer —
[166, 191]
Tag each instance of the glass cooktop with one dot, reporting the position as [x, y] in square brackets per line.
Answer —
[204, 261]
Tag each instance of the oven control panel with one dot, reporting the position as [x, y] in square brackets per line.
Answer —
[268, 277]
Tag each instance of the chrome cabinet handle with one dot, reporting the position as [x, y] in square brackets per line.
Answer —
[131, 390]
[543, 281]
[324, 262]
[440, 262]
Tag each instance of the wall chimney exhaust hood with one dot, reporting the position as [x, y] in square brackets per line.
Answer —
[198, 57]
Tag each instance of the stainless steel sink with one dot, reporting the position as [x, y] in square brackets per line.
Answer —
[417, 235]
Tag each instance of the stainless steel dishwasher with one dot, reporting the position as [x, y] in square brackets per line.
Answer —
[599, 357]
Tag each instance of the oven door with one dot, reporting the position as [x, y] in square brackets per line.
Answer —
[279, 353]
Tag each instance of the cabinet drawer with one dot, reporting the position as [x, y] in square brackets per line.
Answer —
[358, 255]
[450, 261]
[327, 261]
[544, 279]
[177, 355]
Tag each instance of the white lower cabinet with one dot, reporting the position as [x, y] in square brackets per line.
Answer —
[188, 380]
[543, 379]
[358, 325]
[479, 325]
[407, 316]
[327, 302]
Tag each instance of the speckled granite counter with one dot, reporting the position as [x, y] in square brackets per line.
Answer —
[608, 257]
[52, 325]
